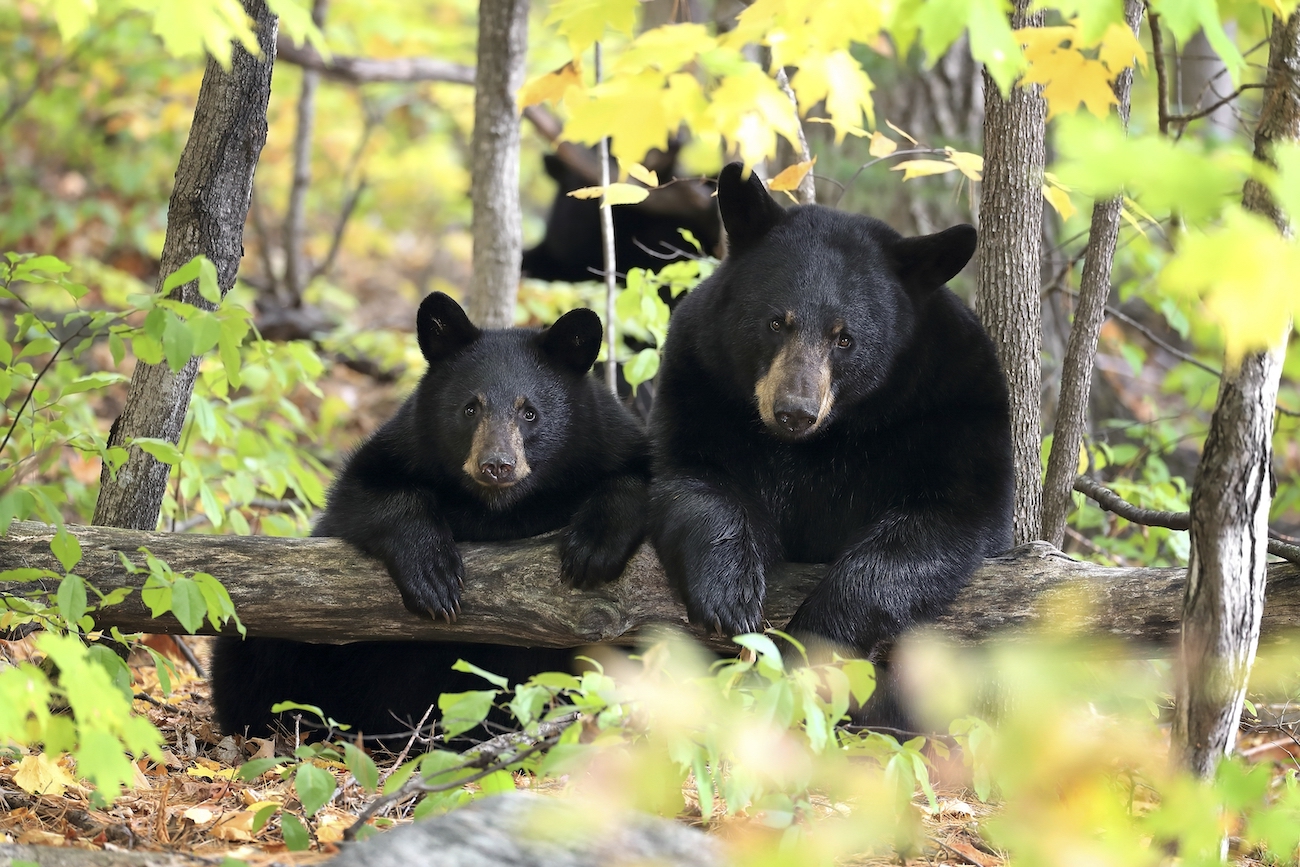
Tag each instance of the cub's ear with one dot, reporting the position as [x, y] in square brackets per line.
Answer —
[442, 327]
[574, 340]
[748, 212]
[929, 261]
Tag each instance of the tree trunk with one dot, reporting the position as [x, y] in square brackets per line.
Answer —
[1081, 350]
[1009, 253]
[296, 269]
[497, 224]
[323, 590]
[214, 182]
[1224, 601]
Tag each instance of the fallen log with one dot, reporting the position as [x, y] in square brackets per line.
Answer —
[323, 590]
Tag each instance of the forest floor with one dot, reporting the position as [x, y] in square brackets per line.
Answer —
[192, 803]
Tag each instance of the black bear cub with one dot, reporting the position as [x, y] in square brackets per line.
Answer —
[825, 398]
[506, 436]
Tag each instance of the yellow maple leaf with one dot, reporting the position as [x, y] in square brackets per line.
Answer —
[904, 133]
[629, 108]
[750, 110]
[923, 168]
[615, 194]
[1119, 48]
[1070, 78]
[1059, 199]
[839, 81]
[790, 177]
[40, 775]
[582, 22]
[667, 48]
[552, 86]
[881, 145]
[684, 102]
[642, 174]
[970, 165]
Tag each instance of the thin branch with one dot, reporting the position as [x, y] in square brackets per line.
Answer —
[296, 270]
[844, 188]
[365, 70]
[1162, 75]
[806, 192]
[1206, 112]
[490, 756]
[345, 214]
[1113, 502]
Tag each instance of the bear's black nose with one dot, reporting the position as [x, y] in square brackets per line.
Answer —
[796, 421]
[497, 472]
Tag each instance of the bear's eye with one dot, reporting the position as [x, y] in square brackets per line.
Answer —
[471, 409]
[844, 342]
[776, 323]
[530, 414]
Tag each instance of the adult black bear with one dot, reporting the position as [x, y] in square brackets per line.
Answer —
[506, 436]
[825, 398]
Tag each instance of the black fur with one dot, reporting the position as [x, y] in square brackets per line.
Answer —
[571, 250]
[406, 498]
[903, 487]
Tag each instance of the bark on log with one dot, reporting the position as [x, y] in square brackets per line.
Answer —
[323, 590]
[58, 856]
[214, 184]
[1007, 282]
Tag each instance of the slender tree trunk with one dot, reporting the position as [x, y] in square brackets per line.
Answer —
[296, 271]
[1007, 283]
[1225, 577]
[497, 226]
[1081, 350]
[214, 182]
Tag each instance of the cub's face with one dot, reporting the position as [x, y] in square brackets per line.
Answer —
[501, 428]
[496, 405]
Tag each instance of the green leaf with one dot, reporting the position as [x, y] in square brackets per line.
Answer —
[178, 342]
[72, 597]
[262, 816]
[250, 771]
[66, 547]
[862, 679]
[398, 778]
[208, 286]
[39, 346]
[497, 783]
[315, 786]
[187, 604]
[462, 711]
[362, 767]
[471, 668]
[160, 449]
[184, 274]
[641, 367]
[296, 838]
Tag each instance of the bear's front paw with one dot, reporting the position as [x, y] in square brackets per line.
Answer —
[588, 560]
[730, 603]
[430, 585]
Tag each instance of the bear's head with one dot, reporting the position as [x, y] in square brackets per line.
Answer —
[820, 304]
[496, 406]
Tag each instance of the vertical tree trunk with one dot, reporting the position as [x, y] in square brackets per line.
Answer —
[296, 271]
[1009, 253]
[1230, 500]
[1081, 349]
[214, 182]
[497, 226]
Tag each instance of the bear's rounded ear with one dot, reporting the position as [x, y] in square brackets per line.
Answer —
[442, 327]
[574, 340]
[748, 212]
[929, 261]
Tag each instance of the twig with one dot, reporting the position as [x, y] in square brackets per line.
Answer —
[806, 192]
[1206, 112]
[365, 70]
[1162, 77]
[344, 215]
[1071, 533]
[911, 152]
[1113, 502]
[190, 656]
[490, 756]
[296, 270]
[410, 742]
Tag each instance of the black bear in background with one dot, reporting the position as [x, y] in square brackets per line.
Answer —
[506, 436]
[823, 397]
[645, 234]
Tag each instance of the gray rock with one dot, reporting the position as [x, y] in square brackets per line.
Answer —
[523, 830]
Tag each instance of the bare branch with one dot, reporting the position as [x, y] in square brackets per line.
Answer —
[365, 70]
